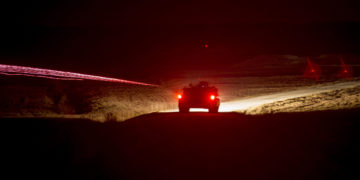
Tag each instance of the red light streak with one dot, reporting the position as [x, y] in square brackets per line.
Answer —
[39, 76]
[61, 75]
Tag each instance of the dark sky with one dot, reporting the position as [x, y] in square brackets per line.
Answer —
[117, 13]
[136, 38]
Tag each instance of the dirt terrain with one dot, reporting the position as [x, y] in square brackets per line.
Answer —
[307, 145]
[347, 98]
[241, 86]
[117, 102]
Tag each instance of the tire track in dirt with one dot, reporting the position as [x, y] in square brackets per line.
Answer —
[242, 105]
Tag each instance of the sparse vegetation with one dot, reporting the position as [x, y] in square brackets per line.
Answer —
[95, 100]
[105, 102]
[339, 99]
[110, 117]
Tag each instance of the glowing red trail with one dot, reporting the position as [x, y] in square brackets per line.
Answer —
[40, 76]
[63, 75]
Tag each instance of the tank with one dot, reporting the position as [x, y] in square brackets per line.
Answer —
[199, 96]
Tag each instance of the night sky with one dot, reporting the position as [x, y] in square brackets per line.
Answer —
[141, 38]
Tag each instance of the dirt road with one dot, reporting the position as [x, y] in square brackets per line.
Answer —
[244, 104]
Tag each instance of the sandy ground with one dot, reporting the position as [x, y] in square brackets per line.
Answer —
[346, 98]
[324, 97]
[250, 85]
[119, 102]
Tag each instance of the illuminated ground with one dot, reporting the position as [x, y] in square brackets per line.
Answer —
[348, 98]
[245, 104]
[104, 101]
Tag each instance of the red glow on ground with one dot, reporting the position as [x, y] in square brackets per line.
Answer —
[60, 75]
[312, 71]
[345, 70]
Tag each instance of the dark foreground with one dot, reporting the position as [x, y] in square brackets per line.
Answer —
[318, 145]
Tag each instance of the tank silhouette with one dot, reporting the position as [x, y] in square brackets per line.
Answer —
[199, 96]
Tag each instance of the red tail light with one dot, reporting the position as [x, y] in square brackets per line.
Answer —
[212, 97]
[179, 96]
